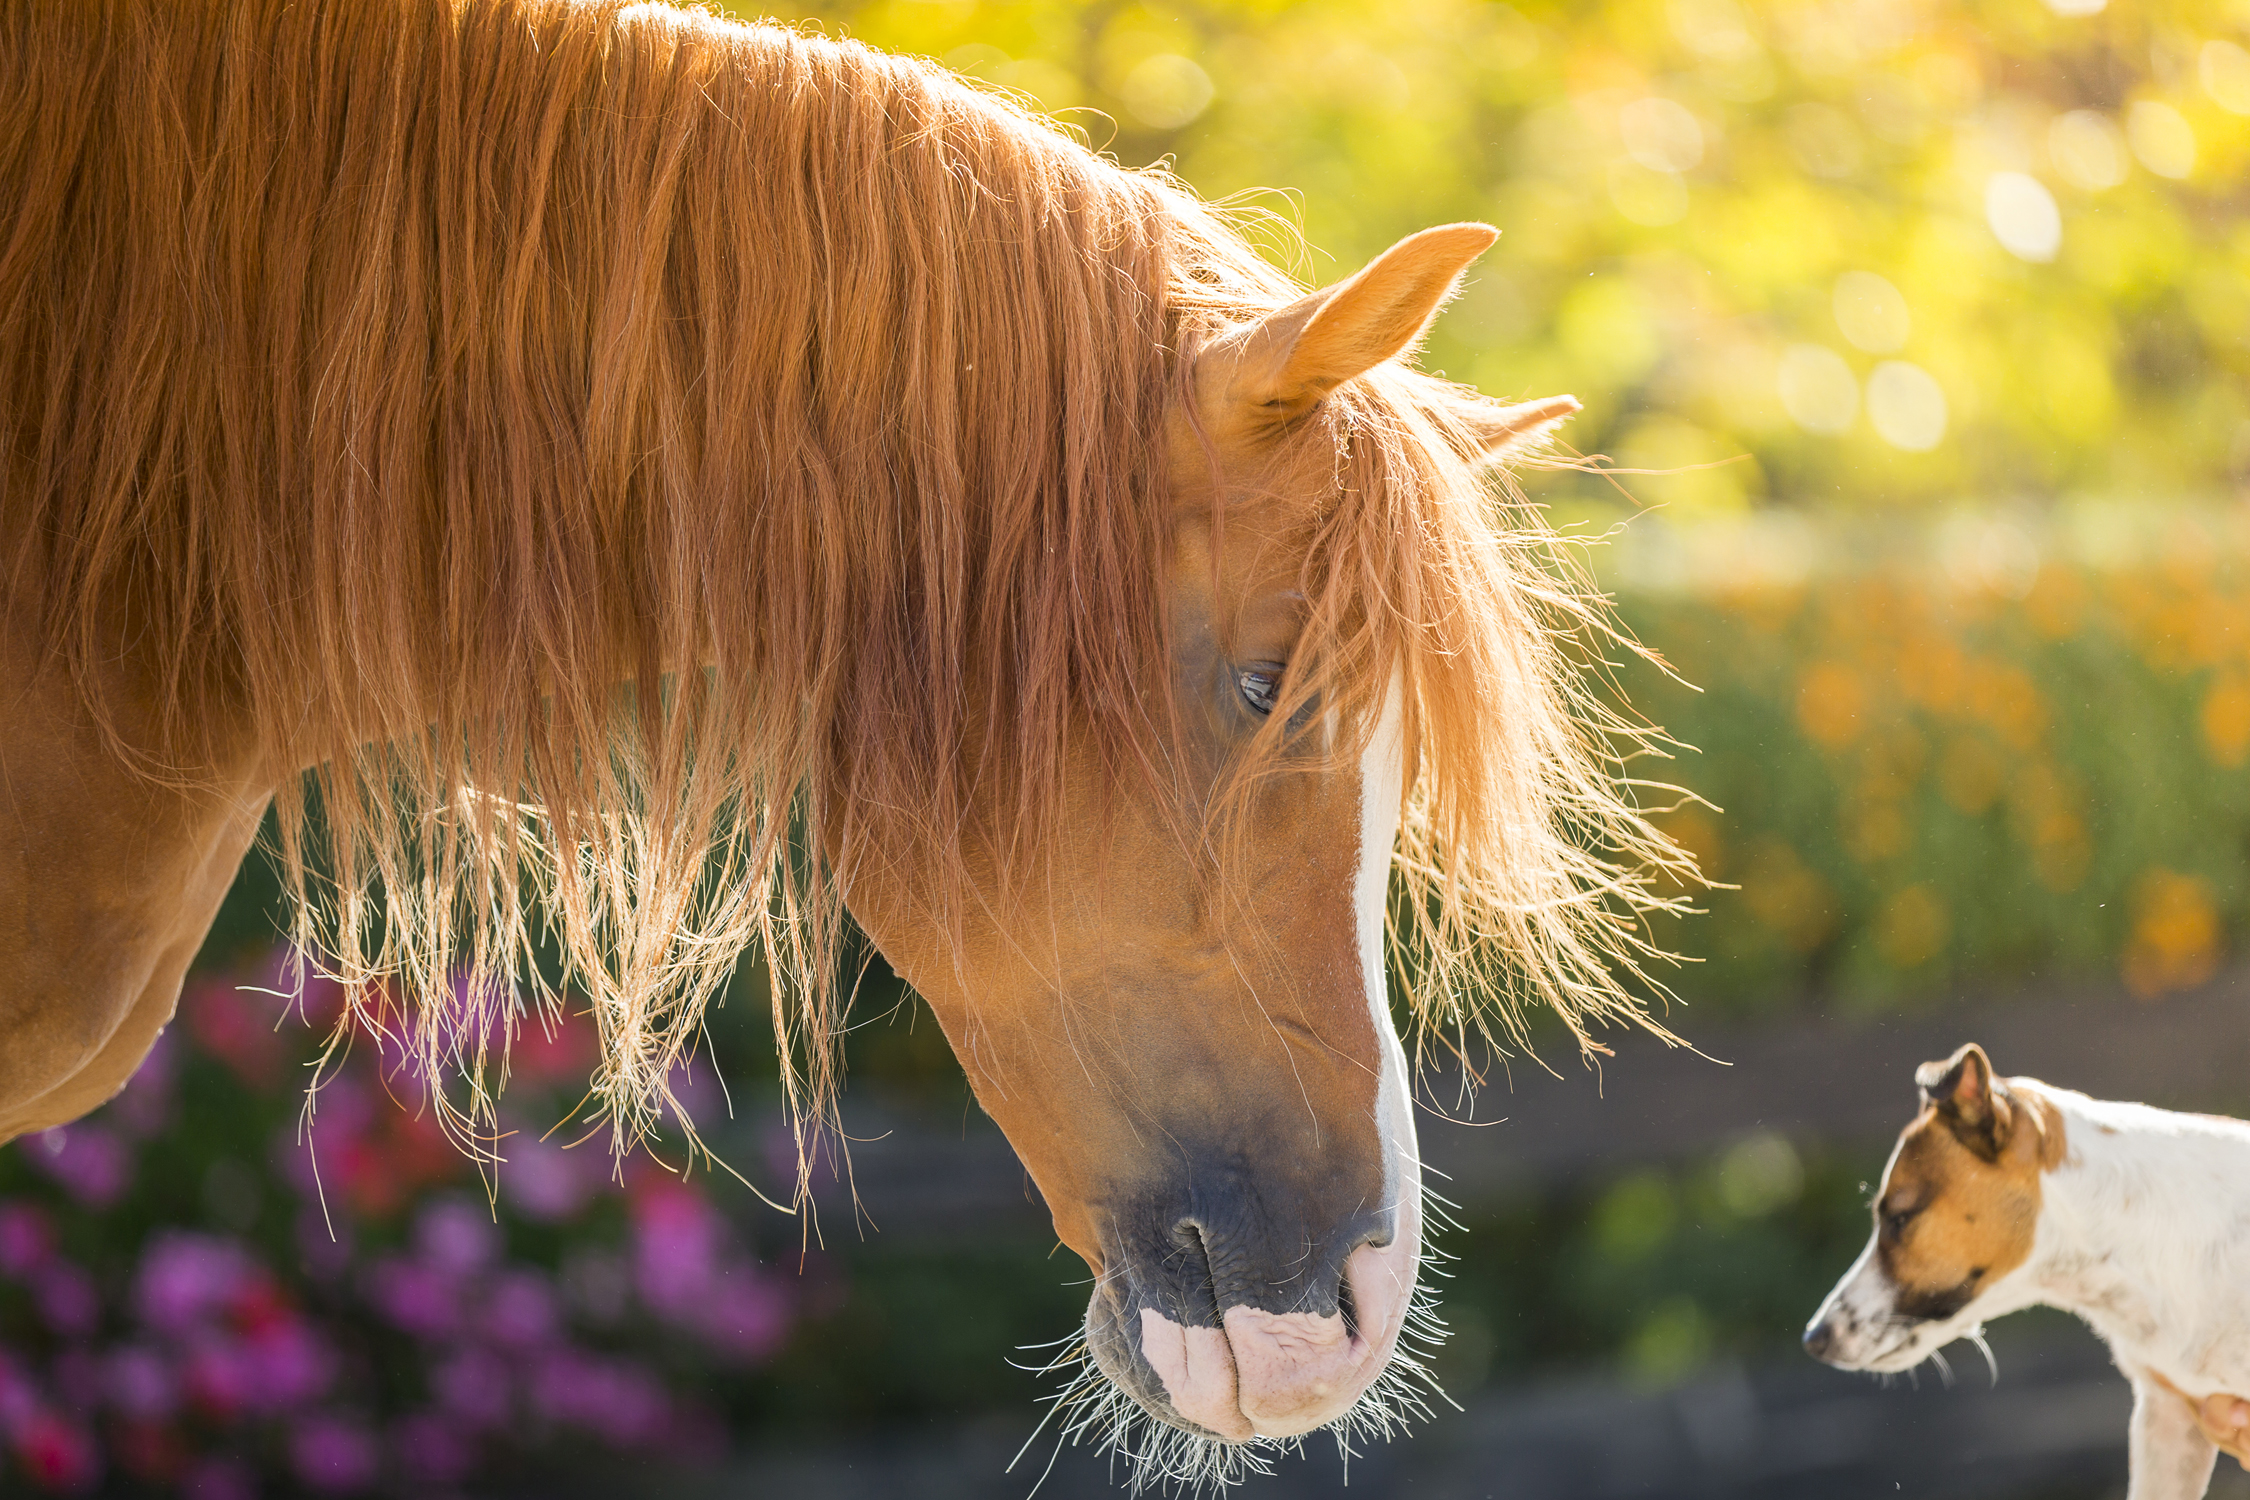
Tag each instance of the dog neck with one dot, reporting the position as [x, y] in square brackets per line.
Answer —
[2130, 1221]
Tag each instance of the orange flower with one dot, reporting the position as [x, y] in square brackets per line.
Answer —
[2226, 720]
[2177, 937]
[1831, 703]
[1913, 927]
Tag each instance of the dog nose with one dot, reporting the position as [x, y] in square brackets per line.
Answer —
[1819, 1339]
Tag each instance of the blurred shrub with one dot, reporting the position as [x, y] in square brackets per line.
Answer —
[1656, 1272]
[1935, 776]
[198, 1293]
[1897, 252]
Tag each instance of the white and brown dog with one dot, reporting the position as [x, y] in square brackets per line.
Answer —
[2004, 1193]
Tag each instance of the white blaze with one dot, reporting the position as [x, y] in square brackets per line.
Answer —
[1388, 1274]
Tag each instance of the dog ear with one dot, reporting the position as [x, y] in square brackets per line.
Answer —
[1972, 1102]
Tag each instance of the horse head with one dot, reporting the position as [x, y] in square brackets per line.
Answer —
[1186, 1031]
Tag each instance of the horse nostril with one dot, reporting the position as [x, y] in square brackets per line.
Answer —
[1345, 1304]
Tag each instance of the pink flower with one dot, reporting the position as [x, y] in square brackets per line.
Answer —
[89, 1161]
[19, 1395]
[186, 1279]
[519, 1311]
[26, 1239]
[545, 1181]
[69, 1303]
[617, 1401]
[333, 1455]
[676, 1238]
[474, 1389]
[145, 1108]
[141, 1383]
[285, 1364]
[455, 1237]
[416, 1298]
[238, 1028]
[217, 1377]
[432, 1450]
[57, 1453]
[219, 1478]
[748, 1315]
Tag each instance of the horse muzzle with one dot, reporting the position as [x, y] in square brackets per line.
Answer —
[1228, 1319]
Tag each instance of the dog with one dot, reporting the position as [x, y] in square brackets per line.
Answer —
[2008, 1192]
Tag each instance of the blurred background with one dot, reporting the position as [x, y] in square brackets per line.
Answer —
[1939, 315]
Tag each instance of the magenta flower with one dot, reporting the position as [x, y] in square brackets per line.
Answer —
[141, 1384]
[19, 1395]
[455, 1238]
[216, 1376]
[616, 1400]
[416, 1298]
[676, 1239]
[219, 1477]
[333, 1455]
[432, 1450]
[68, 1300]
[545, 1181]
[57, 1452]
[26, 1239]
[187, 1278]
[89, 1161]
[144, 1109]
[519, 1311]
[474, 1388]
[748, 1316]
[284, 1364]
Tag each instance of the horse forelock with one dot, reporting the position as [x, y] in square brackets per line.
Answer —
[420, 371]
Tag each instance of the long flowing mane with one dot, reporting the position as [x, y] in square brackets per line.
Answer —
[597, 440]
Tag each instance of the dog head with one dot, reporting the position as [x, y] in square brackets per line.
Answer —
[1957, 1212]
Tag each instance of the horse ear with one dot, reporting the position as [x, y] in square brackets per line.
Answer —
[1973, 1104]
[1502, 430]
[1287, 361]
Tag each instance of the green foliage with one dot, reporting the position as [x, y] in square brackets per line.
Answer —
[1657, 1272]
[1930, 780]
[1774, 230]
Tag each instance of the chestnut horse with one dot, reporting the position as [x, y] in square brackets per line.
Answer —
[602, 471]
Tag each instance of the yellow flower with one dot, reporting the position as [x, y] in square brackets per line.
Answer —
[1913, 927]
[2177, 936]
[2226, 720]
[1831, 703]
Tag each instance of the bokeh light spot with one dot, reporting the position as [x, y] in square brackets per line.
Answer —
[1871, 312]
[2161, 137]
[2023, 215]
[1646, 196]
[1661, 134]
[1817, 388]
[1166, 90]
[1715, 28]
[1906, 406]
[2087, 150]
[2226, 75]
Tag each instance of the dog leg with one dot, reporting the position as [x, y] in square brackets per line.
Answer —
[2170, 1455]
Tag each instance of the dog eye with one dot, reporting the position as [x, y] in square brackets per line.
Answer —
[1898, 1218]
[1260, 686]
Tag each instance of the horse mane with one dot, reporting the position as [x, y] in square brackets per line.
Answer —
[422, 371]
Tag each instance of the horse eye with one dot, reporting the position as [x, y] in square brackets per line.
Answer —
[1260, 687]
